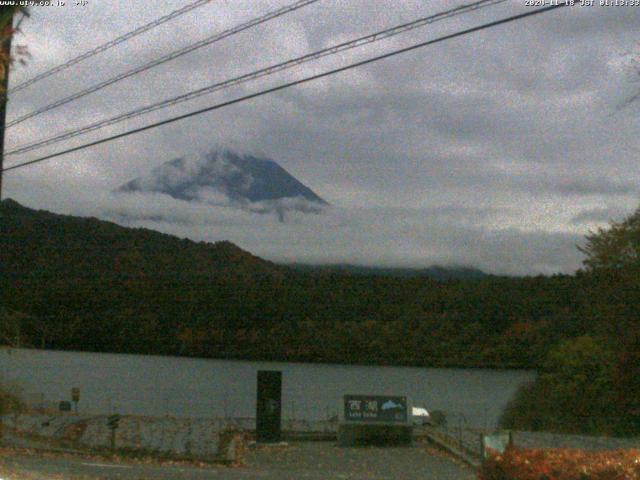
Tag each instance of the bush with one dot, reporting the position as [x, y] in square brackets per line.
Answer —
[574, 393]
[562, 464]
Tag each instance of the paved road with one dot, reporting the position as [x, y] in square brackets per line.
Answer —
[309, 460]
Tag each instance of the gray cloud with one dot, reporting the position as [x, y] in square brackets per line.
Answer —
[598, 187]
[599, 216]
[374, 235]
[489, 150]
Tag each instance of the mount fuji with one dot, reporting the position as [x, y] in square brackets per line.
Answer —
[225, 177]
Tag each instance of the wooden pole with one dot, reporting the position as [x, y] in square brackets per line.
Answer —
[6, 50]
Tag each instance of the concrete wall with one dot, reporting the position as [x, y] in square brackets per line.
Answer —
[553, 440]
[196, 437]
[181, 436]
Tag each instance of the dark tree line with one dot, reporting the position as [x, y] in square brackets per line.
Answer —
[85, 284]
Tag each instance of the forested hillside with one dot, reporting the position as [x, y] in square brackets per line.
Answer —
[86, 284]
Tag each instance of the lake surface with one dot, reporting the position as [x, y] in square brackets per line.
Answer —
[157, 385]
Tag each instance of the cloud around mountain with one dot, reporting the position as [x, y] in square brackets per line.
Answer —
[224, 177]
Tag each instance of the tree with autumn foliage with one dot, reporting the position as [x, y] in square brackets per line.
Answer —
[591, 383]
[613, 259]
[7, 31]
[574, 391]
[627, 382]
[615, 248]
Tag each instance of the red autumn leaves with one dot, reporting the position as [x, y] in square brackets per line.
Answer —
[562, 464]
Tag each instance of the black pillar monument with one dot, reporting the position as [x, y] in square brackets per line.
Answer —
[269, 406]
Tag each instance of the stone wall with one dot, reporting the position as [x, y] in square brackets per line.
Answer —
[193, 437]
[181, 436]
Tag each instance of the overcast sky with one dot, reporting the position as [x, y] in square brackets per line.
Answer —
[499, 150]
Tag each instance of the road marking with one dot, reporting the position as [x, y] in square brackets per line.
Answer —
[105, 465]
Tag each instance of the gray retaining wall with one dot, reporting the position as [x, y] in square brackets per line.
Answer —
[198, 437]
[190, 437]
[552, 440]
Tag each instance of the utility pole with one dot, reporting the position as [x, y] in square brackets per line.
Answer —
[6, 50]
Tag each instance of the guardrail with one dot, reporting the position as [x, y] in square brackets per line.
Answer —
[457, 437]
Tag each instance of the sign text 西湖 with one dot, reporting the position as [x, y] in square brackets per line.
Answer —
[375, 408]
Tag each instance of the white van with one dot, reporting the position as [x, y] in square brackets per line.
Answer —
[420, 416]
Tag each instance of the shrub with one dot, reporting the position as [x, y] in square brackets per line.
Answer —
[574, 392]
[562, 464]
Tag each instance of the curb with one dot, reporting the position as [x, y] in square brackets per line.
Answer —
[43, 449]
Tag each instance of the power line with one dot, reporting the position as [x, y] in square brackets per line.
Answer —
[109, 44]
[291, 84]
[166, 58]
[367, 39]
